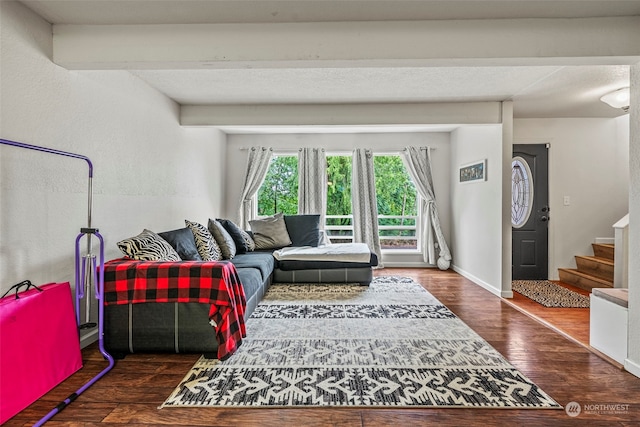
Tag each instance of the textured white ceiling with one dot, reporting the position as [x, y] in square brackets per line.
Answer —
[536, 91]
[572, 92]
[343, 85]
[104, 12]
[540, 91]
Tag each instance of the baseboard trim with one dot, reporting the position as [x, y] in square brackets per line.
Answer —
[392, 264]
[632, 367]
[480, 282]
[89, 338]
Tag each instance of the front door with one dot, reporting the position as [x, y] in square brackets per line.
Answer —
[530, 211]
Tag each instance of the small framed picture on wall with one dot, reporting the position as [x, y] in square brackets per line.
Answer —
[474, 172]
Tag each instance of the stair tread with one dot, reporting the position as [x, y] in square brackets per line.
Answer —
[605, 282]
[597, 259]
[593, 271]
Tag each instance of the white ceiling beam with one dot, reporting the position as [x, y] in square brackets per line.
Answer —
[581, 41]
[341, 114]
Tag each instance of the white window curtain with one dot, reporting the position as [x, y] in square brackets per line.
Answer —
[257, 167]
[364, 202]
[312, 182]
[418, 163]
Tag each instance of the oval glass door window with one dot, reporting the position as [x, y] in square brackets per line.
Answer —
[521, 192]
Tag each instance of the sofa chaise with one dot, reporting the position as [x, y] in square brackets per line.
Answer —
[195, 257]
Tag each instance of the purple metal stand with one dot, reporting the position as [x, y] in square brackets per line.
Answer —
[88, 263]
[99, 292]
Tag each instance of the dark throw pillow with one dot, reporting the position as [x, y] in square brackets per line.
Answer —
[183, 242]
[240, 237]
[304, 230]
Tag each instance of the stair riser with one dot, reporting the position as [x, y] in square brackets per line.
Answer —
[585, 283]
[603, 251]
[594, 268]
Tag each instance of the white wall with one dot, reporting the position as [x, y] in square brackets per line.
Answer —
[345, 143]
[476, 240]
[149, 171]
[632, 363]
[589, 162]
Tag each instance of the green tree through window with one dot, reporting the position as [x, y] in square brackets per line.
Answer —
[396, 194]
[339, 197]
[397, 198]
[279, 191]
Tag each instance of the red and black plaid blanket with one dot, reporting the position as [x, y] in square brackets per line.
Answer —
[127, 281]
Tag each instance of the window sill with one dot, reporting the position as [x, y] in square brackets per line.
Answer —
[401, 251]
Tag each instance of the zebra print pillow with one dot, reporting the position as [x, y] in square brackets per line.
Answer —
[206, 244]
[248, 240]
[148, 246]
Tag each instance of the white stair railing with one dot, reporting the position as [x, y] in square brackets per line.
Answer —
[621, 253]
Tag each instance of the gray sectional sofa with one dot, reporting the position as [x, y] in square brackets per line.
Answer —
[185, 327]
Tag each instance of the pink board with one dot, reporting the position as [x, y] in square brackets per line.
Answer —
[39, 345]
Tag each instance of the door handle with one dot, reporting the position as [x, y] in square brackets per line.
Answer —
[544, 218]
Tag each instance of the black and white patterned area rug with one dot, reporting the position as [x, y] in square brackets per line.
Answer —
[550, 294]
[391, 344]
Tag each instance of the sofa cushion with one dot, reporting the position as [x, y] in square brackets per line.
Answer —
[244, 242]
[251, 280]
[148, 246]
[270, 232]
[288, 265]
[206, 244]
[263, 261]
[304, 230]
[183, 242]
[223, 239]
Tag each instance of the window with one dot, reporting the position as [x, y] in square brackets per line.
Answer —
[339, 219]
[396, 194]
[397, 203]
[521, 192]
[279, 191]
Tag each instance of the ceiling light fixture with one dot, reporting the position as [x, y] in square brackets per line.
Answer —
[618, 99]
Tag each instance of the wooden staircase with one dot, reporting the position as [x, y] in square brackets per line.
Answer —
[593, 271]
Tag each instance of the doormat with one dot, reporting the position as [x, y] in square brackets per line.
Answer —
[550, 294]
[390, 344]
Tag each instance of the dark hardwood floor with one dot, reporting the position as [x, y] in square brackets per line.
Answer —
[572, 322]
[131, 393]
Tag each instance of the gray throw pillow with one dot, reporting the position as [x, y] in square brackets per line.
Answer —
[148, 246]
[270, 232]
[206, 244]
[223, 239]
